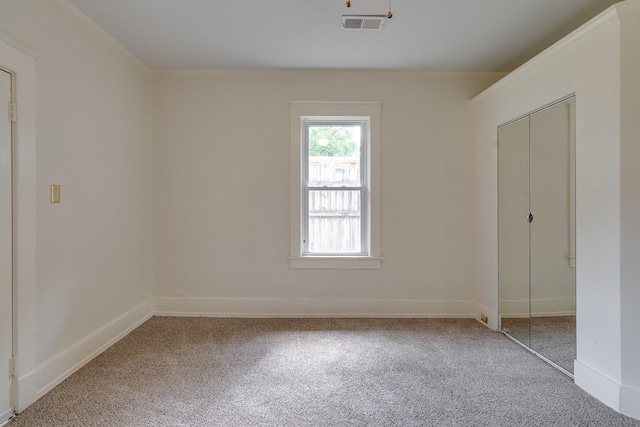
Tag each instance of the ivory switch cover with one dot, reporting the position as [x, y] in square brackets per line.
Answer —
[55, 194]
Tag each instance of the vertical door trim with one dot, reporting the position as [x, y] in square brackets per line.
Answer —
[22, 64]
[10, 411]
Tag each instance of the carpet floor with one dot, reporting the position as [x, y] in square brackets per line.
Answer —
[317, 372]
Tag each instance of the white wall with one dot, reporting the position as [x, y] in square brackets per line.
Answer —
[630, 206]
[94, 250]
[221, 194]
[588, 63]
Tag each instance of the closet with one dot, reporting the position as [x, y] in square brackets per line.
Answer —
[536, 232]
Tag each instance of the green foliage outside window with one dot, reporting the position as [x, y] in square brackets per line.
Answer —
[331, 141]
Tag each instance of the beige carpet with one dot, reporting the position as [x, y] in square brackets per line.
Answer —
[317, 372]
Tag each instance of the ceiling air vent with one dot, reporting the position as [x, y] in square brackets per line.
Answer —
[368, 22]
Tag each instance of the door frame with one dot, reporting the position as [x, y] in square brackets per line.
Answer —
[22, 64]
[6, 416]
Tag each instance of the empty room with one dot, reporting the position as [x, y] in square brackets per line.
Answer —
[319, 213]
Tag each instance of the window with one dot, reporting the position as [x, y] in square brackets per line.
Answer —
[335, 188]
[335, 174]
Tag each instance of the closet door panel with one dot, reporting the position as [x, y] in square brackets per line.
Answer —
[552, 274]
[513, 229]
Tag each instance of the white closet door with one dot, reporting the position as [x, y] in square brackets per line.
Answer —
[513, 229]
[6, 293]
[553, 278]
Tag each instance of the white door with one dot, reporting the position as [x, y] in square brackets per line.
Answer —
[6, 287]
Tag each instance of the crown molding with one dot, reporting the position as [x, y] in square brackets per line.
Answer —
[612, 15]
[629, 7]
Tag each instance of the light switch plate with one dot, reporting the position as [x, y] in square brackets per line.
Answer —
[55, 194]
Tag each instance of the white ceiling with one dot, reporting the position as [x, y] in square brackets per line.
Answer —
[449, 35]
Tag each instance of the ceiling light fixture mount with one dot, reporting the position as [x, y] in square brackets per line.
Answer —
[389, 14]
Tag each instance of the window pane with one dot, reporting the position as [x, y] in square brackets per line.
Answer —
[334, 221]
[334, 155]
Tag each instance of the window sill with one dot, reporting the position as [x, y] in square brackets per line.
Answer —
[335, 263]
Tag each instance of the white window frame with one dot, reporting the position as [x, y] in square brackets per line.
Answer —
[302, 112]
[361, 188]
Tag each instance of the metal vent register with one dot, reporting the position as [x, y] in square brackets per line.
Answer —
[370, 22]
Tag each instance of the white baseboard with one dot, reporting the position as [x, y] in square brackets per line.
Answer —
[492, 316]
[58, 368]
[5, 416]
[597, 384]
[27, 390]
[630, 401]
[622, 398]
[309, 307]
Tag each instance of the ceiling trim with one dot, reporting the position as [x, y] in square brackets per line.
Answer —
[612, 15]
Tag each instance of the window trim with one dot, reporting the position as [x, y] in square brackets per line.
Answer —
[301, 111]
